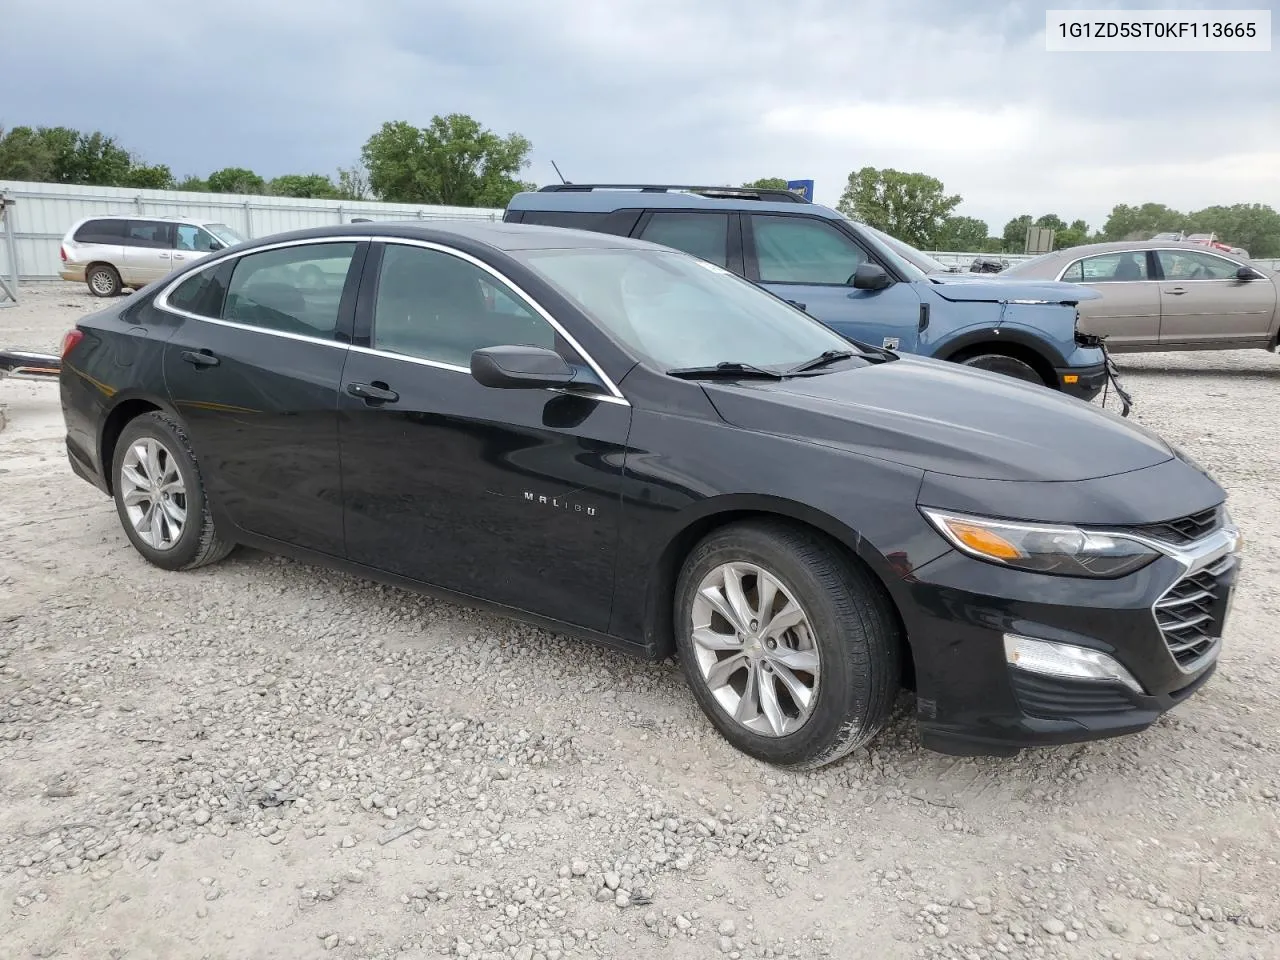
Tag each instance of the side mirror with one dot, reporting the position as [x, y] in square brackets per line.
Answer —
[520, 368]
[870, 276]
[215, 246]
[1247, 273]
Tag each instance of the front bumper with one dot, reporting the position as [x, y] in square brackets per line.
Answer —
[1084, 383]
[971, 701]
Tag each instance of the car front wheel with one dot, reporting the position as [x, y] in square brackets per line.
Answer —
[790, 646]
[160, 496]
[1009, 366]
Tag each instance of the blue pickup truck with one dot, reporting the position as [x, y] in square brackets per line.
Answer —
[860, 282]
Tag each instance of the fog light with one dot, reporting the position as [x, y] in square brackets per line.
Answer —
[1065, 660]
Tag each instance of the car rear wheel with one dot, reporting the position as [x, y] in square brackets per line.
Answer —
[790, 647]
[1009, 366]
[160, 497]
[103, 280]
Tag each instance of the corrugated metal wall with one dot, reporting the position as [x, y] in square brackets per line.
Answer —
[45, 211]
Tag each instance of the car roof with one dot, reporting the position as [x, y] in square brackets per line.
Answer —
[197, 221]
[495, 235]
[607, 201]
[1119, 246]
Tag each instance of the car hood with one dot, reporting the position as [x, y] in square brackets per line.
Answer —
[944, 418]
[991, 287]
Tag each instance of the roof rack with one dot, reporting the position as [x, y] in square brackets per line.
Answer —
[734, 193]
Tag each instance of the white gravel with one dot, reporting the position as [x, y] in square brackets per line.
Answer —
[263, 759]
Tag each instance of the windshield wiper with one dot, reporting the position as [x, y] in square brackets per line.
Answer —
[825, 358]
[728, 370]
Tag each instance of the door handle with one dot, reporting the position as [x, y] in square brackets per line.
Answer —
[373, 393]
[200, 358]
[178, 256]
[1177, 291]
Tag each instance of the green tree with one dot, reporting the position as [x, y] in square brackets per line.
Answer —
[25, 155]
[303, 185]
[1141, 223]
[193, 184]
[144, 177]
[452, 161]
[767, 183]
[353, 182]
[1254, 226]
[1015, 234]
[909, 206]
[961, 234]
[1072, 235]
[236, 180]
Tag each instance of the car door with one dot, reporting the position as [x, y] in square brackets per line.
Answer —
[511, 496]
[254, 370]
[1204, 302]
[1128, 314]
[809, 261]
[192, 243]
[148, 251]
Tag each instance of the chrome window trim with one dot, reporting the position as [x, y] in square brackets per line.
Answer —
[614, 395]
[1157, 250]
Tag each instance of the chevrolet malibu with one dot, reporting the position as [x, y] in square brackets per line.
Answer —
[621, 442]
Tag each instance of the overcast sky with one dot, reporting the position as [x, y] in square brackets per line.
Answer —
[705, 91]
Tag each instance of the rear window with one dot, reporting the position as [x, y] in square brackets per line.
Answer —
[101, 231]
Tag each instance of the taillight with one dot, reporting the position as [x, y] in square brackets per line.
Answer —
[69, 341]
[62, 252]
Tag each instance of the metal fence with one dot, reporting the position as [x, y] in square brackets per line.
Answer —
[43, 212]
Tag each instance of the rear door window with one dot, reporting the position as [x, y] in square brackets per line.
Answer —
[154, 234]
[101, 231]
[203, 293]
[705, 235]
[290, 289]
[1109, 268]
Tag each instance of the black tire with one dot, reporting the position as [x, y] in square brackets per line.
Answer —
[1007, 365]
[198, 543]
[103, 280]
[856, 632]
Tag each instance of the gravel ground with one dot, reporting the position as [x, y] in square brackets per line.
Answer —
[264, 759]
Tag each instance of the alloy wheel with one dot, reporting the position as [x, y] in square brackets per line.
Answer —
[755, 649]
[153, 493]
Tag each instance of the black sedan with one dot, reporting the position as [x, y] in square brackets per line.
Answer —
[625, 443]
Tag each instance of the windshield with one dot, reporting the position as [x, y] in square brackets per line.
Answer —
[918, 257]
[677, 311]
[224, 233]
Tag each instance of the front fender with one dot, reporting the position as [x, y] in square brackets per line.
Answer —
[1049, 330]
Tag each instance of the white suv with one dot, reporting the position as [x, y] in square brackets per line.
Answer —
[111, 253]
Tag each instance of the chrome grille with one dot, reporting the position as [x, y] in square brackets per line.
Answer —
[1191, 612]
[1184, 529]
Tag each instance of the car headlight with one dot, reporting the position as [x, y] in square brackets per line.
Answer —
[1058, 549]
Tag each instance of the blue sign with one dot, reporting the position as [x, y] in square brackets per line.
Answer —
[803, 187]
